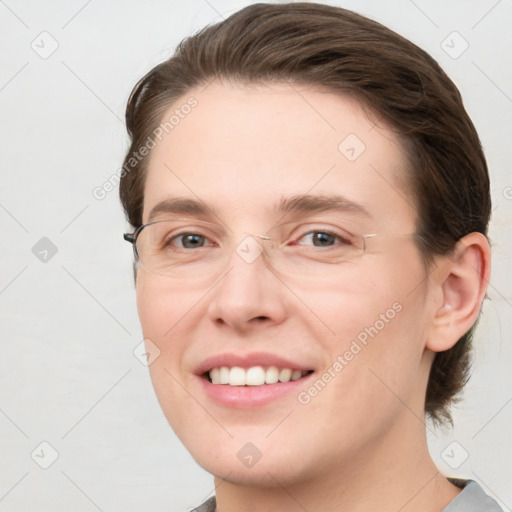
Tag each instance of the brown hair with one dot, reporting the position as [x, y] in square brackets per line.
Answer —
[348, 54]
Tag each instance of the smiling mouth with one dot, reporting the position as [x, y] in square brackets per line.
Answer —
[253, 376]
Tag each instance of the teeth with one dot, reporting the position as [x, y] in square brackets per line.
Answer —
[285, 375]
[237, 376]
[272, 375]
[296, 375]
[223, 375]
[253, 376]
[215, 376]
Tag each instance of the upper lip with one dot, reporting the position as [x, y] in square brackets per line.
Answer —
[247, 360]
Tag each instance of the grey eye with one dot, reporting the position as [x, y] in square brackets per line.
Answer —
[191, 240]
[322, 239]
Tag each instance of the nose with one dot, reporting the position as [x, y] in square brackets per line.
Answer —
[249, 295]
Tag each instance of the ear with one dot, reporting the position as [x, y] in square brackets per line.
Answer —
[460, 283]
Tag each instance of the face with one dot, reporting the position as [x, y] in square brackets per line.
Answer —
[353, 333]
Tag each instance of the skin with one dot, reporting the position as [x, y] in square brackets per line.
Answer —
[360, 444]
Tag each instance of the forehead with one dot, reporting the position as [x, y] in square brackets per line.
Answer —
[244, 149]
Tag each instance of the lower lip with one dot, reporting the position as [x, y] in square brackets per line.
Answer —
[241, 397]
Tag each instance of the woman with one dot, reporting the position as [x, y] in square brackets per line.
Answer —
[309, 202]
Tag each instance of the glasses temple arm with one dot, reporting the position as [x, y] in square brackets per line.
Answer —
[129, 237]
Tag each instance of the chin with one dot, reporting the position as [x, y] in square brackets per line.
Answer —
[264, 474]
[263, 463]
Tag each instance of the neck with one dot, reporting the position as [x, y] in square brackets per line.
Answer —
[391, 474]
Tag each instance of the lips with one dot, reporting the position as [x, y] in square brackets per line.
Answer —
[246, 376]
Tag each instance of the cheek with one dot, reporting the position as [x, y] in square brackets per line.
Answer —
[162, 311]
[150, 308]
[374, 328]
[162, 306]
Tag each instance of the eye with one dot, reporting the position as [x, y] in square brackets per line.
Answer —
[323, 239]
[188, 241]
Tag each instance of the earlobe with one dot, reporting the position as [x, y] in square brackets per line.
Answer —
[461, 283]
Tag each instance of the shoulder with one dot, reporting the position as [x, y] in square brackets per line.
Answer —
[472, 498]
[208, 506]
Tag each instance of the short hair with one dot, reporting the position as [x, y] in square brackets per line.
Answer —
[347, 54]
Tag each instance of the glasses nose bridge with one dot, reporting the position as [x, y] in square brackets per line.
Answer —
[264, 238]
[254, 245]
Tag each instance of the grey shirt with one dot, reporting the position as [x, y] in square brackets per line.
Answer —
[472, 498]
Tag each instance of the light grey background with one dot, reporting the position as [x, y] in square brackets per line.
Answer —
[69, 325]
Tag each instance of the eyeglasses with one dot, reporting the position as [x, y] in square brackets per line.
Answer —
[191, 249]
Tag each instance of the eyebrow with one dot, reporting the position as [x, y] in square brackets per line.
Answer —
[308, 203]
[181, 206]
[302, 203]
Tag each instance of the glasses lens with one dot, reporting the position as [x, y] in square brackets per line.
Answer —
[191, 249]
[179, 248]
[314, 253]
